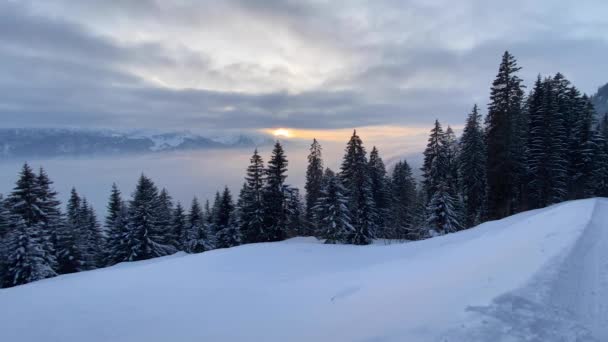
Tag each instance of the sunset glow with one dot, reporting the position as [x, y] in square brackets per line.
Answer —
[282, 133]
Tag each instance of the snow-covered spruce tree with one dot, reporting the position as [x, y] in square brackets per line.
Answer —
[380, 188]
[331, 211]
[91, 239]
[251, 205]
[586, 150]
[116, 248]
[314, 177]
[69, 250]
[165, 218]
[354, 175]
[52, 217]
[275, 215]
[403, 201]
[602, 186]
[197, 239]
[295, 224]
[26, 244]
[503, 126]
[442, 217]
[228, 234]
[144, 238]
[472, 169]
[434, 168]
[4, 225]
[178, 227]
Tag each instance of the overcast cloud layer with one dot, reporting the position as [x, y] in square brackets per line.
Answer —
[254, 64]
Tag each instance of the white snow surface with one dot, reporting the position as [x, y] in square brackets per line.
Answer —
[537, 276]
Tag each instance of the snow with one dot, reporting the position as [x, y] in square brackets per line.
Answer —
[537, 276]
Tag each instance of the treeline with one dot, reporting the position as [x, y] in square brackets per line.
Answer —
[531, 151]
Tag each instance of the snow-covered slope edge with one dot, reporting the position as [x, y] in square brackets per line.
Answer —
[301, 290]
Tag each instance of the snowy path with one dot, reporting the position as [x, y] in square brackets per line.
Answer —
[567, 301]
[582, 285]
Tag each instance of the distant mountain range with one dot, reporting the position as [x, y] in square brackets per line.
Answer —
[43, 142]
[600, 100]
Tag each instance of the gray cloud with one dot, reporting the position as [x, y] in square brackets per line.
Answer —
[268, 63]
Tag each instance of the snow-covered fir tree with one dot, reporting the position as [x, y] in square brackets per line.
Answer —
[354, 174]
[116, 222]
[91, 239]
[144, 237]
[331, 211]
[295, 221]
[178, 226]
[228, 234]
[51, 215]
[275, 215]
[27, 257]
[472, 169]
[504, 153]
[314, 177]
[434, 168]
[197, 237]
[251, 204]
[403, 202]
[165, 218]
[442, 215]
[380, 189]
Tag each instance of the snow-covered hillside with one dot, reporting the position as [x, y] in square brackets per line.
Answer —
[537, 276]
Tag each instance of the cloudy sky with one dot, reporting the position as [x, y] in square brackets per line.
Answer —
[260, 64]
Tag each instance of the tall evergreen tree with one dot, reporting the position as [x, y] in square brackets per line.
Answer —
[91, 239]
[51, 216]
[144, 238]
[356, 180]
[251, 201]
[27, 257]
[331, 211]
[294, 223]
[228, 234]
[586, 151]
[116, 249]
[178, 226]
[380, 191]
[403, 201]
[275, 215]
[314, 177]
[504, 152]
[434, 168]
[443, 217]
[197, 239]
[472, 172]
[165, 218]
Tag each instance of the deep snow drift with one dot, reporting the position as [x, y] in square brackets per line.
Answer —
[537, 276]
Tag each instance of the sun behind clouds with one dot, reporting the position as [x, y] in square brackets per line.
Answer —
[282, 132]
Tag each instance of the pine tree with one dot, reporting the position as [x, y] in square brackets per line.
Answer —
[586, 150]
[90, 239]
[314, 177]
[251, 207]
[294, 223]
[51, 216]
[144, 238]
[165, 218]
[275, 215]
[472, 172]
[434, 168]
[197, 239]
[380, 192]
[228, 234]
[117, 249]
[178, 226]
[403, 201]
[28, 253]
[331, 211]
[442, 218]
[356, 180]
[504, 150]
